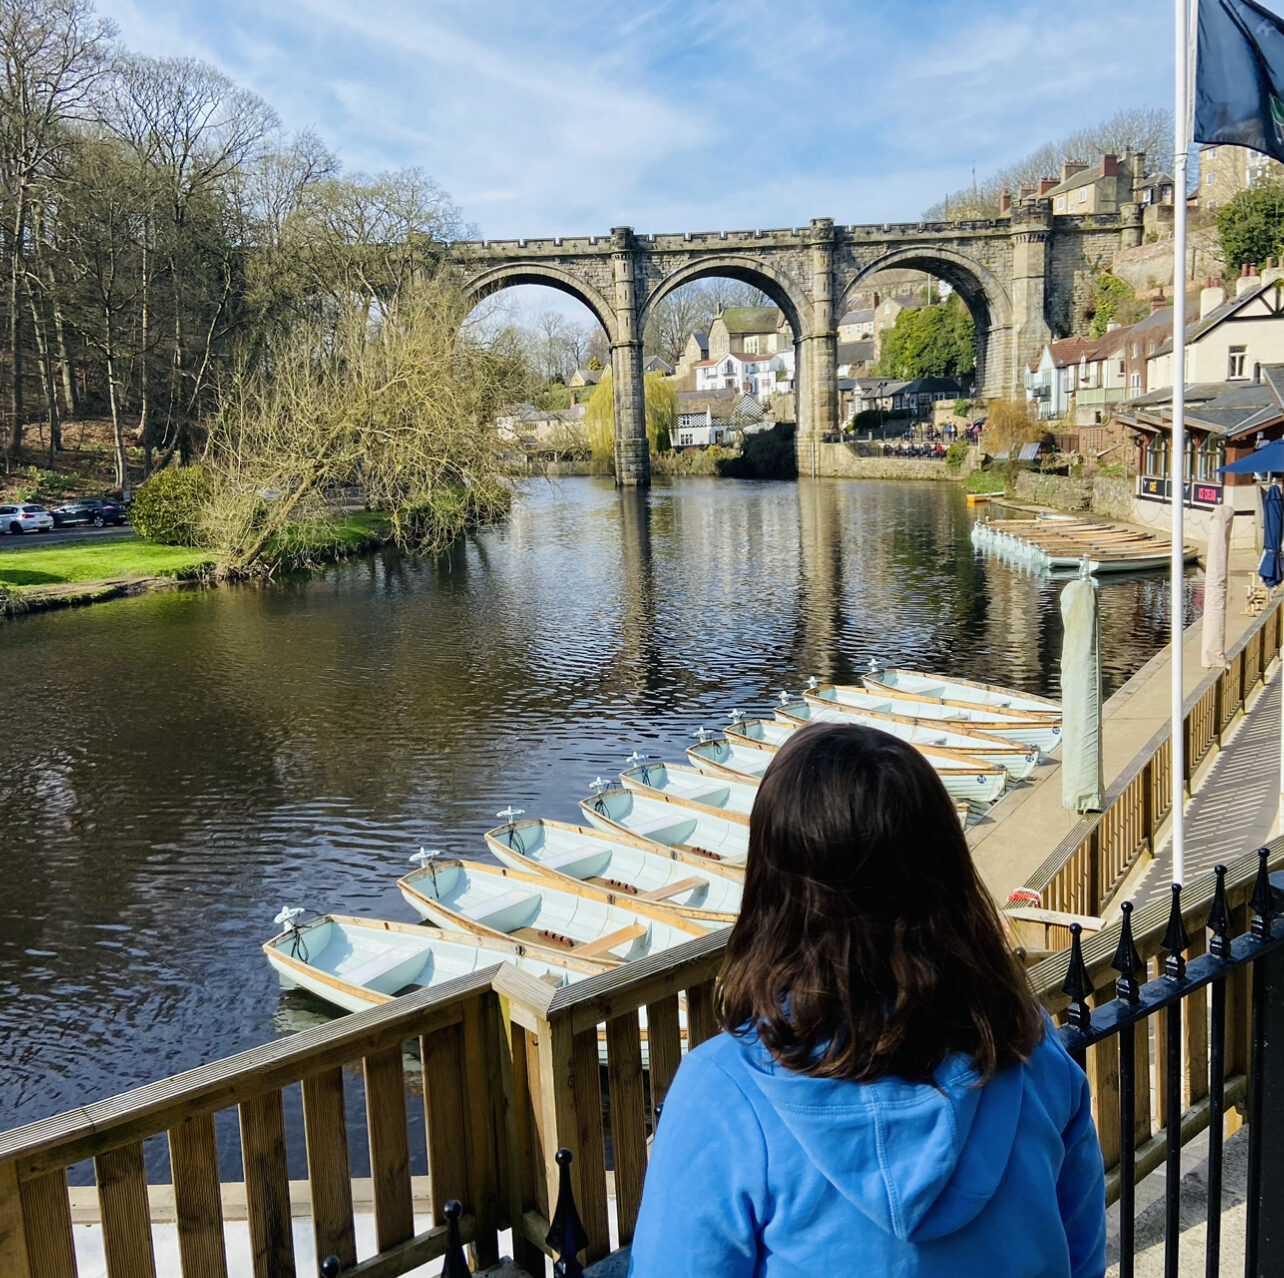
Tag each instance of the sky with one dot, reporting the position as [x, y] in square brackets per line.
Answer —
[558, 117]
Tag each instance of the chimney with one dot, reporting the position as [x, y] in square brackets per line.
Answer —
[1005, 201]
[1046, 184]
[1156, 304]
[1211, 296]
[1246, 282]
[1070, 168]
[1109, 166]
[1272, 272]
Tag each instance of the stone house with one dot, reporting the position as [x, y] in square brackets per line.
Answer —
[886, 312]
[751, 330]
[656, 365]
[1143, 340]
[1086, 189]
[855, 358]
[856, 325]
[585, 377]
[1225, 171]
[1231, 335]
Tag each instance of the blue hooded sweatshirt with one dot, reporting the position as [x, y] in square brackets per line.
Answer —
[758, 1171]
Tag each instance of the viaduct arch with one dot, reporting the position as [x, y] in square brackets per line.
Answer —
[1025, 277]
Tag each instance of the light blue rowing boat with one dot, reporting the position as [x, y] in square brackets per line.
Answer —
[693, 835]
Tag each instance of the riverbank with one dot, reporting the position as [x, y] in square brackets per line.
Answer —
[38, 578]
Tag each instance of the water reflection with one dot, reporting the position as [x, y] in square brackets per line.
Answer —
[192, 761]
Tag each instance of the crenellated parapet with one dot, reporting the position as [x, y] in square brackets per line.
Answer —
[1023, 276]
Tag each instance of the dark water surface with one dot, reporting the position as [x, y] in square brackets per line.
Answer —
[180, 765]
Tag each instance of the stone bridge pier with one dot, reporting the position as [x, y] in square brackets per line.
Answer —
[1025, 278]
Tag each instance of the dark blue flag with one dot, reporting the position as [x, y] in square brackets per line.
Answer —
[1239, 76]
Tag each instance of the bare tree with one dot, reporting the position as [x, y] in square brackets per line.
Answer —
[1148, 129]
[51, 54]
[691, 309]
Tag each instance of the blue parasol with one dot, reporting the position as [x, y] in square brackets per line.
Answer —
[1271, 569]
[1267, 460]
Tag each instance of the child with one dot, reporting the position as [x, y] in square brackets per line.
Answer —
[886, 1097]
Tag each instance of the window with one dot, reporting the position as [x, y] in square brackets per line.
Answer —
[1061, 203]
[1211, 456]
[1235, 362]
[1083, 196]
[1122, 368]
[1211, 153]
[1157, 456]
[1134, 382]
[1210, 179]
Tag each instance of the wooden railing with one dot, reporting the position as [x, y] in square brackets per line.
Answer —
[1085, 871]
[510, 1074]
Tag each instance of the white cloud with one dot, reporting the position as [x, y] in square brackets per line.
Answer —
[566, 116]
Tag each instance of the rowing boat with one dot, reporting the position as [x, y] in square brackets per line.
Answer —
[997, 722]
[358, 963]
[534, 912]
[683, 784]
[945, 691]
[966, 744]
[619, 868]
[969, 780]
[697, 837]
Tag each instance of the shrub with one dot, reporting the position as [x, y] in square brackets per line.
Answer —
[956, 454]
[169, 508]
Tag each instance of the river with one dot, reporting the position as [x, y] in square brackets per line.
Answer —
[180, 765]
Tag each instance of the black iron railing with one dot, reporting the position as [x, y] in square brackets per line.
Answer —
[1168, 997]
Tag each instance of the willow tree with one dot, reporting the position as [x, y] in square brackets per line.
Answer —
[661, 416]
[396, 404]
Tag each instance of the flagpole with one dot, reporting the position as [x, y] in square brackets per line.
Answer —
[1178, 567]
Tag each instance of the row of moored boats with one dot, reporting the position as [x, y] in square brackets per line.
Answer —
[660, 856]
[1063, 543]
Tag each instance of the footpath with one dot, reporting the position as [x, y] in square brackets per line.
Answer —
[1015, 837]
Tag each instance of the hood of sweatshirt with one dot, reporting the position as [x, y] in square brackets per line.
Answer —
[919, 1160]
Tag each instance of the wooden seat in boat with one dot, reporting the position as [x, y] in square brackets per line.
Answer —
[489, 913]
[655, 825]
[568, 860]
[672, 889]
[375, 967]
[608, 942]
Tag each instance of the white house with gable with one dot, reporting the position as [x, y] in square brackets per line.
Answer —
[751, 374]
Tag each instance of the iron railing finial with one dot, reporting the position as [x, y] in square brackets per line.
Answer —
[566, 1233]
[456, 1264]
[1078, 984]
[1176, 939]
[1263, 898]
[1127, 961]
[1219, 918]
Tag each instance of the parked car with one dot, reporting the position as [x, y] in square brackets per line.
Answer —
[88, 510]
[25, 517]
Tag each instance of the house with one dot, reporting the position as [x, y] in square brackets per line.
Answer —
[920, 394]
[1100, 382]
[1225, 421]
[881, 394]
[585, 377]
[1085, 189]
[854, 358]
[656, 365]
[856, 325]
[1143, 340]
[703, 417]
[751, 330]
[1225, 171]
[887, 311]
[749, 374]
[1230, 335]
[545, 431]
[1050, 380]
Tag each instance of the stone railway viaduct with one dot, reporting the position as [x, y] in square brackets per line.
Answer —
[1025, 278]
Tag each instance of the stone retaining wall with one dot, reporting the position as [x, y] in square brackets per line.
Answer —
[837, 461]
[1053, 490]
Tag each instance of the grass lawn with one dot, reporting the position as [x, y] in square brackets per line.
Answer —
[98, 561]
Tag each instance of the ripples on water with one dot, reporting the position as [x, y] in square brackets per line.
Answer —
[186, 763]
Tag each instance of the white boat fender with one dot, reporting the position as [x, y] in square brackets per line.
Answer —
[786, 696]
[288, 921]
[812, 683]
[737, 716]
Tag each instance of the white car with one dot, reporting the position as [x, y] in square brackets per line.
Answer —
[25, 517]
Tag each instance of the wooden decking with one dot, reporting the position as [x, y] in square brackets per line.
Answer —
[1235, 808]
